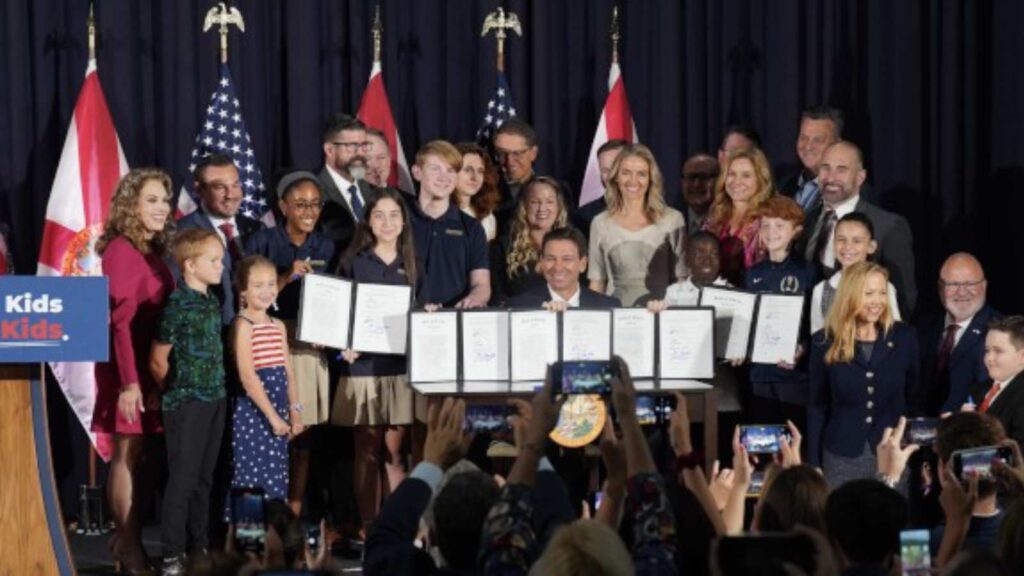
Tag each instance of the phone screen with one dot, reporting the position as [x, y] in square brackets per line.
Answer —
[979, 461]
[249, 518]
[921, 431]
[915, 555]
[491, 418]
[762, 439]
[756, 484]
[585, 377]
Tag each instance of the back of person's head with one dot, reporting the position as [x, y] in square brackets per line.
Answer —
[282, 522]
[976, 562]
[459, 511]
[795, 497]
[1011, 538]
[585, 548]
[864, 519]
[965, 430]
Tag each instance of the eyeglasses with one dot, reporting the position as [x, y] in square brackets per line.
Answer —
[307, 206]
[966, 286]
[501, 155]
[354, 146]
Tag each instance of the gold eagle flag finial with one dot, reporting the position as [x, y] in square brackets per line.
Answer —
[500, 21]
[223, 16]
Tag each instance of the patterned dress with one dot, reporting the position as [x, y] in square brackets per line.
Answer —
[260, 458]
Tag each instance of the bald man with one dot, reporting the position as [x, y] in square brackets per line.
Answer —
[841, 175]
[953, 341]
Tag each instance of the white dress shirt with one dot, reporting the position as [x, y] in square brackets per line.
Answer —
[572, 302]
[344, 185]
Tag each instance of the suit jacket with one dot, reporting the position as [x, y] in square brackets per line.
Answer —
[336, 220]
[1008, 407]
[895, 249]
[850, 404]
[947, 392]
[225, 290]
[588, 299]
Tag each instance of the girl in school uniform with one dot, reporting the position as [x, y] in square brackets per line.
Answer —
[374, 396]
[268, 415]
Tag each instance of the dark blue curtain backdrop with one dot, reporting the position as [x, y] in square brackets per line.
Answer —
[932, 90]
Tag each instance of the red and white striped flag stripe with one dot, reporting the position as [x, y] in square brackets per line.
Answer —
[375, 111]
[90, 166]
[616, 122]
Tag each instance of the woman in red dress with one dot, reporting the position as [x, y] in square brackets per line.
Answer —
[134, 240]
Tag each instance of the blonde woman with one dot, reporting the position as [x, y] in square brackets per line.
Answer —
[636, 245]
[541, 208]
[743, 187]
[863, 376]
[135, 238]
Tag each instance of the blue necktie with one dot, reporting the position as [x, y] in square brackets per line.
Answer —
[357, 204]
[807, 195]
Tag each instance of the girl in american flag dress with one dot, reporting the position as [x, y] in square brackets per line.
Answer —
[268, 415]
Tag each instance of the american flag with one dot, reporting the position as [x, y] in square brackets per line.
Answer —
[224, 132]
[499, 108]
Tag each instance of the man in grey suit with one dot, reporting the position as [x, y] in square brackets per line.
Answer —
[345, 147]
[217, 181]
[841, 175]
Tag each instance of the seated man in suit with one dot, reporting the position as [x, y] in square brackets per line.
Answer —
[563, 260]
[841, 175]
[217, 181]
[953, 342]
[1003, 395]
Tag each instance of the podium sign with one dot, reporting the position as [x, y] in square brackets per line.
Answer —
[54, 319]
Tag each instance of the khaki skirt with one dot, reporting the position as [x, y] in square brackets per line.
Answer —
[373, 401]
[309, 366]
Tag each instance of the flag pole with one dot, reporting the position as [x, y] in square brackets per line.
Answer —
[223, 17]
[91, 24]
[615, 35]
[378, 34]
[500, 21]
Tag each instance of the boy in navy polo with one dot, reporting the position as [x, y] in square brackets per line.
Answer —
[779, 392]
[451, 246]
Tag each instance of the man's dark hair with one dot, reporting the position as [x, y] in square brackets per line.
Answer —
[1012, 326]
[517, 127]
[613, 144]
[747, 132]
[860, 218]
[216, 159]
[339, 123]
[835, 115]
[566, 233]
[460, 509]
[864, 519]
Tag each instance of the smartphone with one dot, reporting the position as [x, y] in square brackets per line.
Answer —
[915, 556]
[491, 418]
[979, 460]
[763, 438]
[756, 484]
[595, 500]
[763, 554]
[647, 410]
[248, 515]
[313, 538]
[583, 377]
[921, 431]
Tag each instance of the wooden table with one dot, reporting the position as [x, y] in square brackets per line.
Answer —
[702, 404]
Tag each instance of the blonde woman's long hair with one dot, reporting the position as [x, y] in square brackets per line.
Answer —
[585, 548]
[654, 200]
[841, 323]
[523, 255]
[721, 209]
[123, 219]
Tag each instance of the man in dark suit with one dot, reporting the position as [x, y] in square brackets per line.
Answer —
[953, 342]
[820, 127]
[346, 192]
[606, 156]
[841, 176]
[217, 181]
[563, 260]
[1003, 395]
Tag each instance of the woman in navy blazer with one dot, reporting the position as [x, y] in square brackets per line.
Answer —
[863, 369]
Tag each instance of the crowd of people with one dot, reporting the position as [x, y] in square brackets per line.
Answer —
[209, 389]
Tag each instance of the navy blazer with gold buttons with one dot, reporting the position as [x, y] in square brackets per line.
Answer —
[851, 403]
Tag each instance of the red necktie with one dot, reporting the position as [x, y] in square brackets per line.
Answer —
[945, 349]
[988, 397]
[229, 234]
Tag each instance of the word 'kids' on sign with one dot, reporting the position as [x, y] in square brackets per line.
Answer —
[56, 319]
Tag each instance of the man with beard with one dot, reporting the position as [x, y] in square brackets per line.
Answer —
[342, 179]
[841, 175]
[953, 342]
[700, 172]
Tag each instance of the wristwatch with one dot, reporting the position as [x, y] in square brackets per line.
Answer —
[297, 407]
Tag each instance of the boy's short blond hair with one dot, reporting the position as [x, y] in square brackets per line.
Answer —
[444, 150]
[189, 244]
